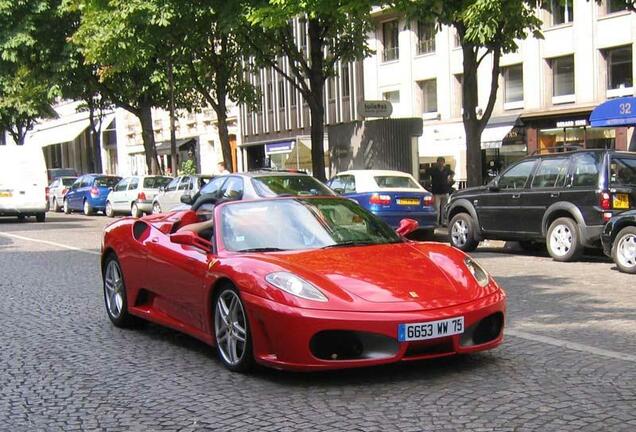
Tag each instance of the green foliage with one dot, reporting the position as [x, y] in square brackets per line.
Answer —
[188, 168]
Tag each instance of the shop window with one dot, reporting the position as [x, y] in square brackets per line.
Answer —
[390, 36]
[429, 96]
[517, 176]
[562, 77]
[551, 173]
[619, 68]
[392, 96]
[613, 6]
[562, 11]
[426, 37]
[513, 84]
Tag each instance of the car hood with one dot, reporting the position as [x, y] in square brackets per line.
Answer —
[410, 273]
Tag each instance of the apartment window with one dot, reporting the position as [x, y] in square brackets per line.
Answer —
[615, 6]
[281, 93]
[302, 35]
[344, 78]
[563, 76]
[390, 35]
[513, 83]
[331, 88]
[425, 37]
[270, 96]
[459, 96]
[456, 40]
[562, 11]
[429, 96]
[619, 68]
[392, 96]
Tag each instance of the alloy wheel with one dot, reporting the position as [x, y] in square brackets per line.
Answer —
[626, 251]
[561, 240]
[459, 233]
[156, 208]
[114, 289]
[230, 325]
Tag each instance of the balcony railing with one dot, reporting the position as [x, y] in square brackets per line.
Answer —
[390, 54]
[426, 46]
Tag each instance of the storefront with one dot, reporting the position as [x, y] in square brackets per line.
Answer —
[288, 154]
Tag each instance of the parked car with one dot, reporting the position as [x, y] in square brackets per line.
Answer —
[301, 283]
[57, 190]
[170, 195]
[54, 173]
[22, 182]
[563, 199]
[619, 240]
[89, 192]
[134, 195]
[391, 195]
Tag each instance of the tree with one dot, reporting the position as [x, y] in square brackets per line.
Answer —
[484, 27]
[336, 31]
[125, 41]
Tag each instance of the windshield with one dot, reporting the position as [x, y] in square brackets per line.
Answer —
[393, 181]
[107, 181]
[156, 182]
[295, 224]
[623, 171]
[269, 186]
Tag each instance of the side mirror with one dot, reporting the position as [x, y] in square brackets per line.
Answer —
[190, 238]
[186, 198]
[339, 191]
[162, 188]
[407, 226]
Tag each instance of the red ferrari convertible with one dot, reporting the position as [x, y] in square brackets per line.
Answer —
[301, 283]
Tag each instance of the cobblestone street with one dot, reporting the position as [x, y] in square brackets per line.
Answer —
[568, 361]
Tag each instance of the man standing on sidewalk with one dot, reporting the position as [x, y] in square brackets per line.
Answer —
[441, 182]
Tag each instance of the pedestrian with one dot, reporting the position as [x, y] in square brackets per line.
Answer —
[221, 168]
[441, 182]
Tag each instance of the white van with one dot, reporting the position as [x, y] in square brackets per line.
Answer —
[23, 182]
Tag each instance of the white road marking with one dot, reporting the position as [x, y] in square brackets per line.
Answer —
[571, 345]
[50, 243]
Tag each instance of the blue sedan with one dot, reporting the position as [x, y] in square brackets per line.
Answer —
[88, 193]
[391, 195]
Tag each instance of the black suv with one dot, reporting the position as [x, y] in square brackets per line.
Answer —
[563, 199]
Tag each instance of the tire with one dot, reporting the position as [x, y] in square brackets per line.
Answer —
[109, 210]
[40, 217]
[115, 298]
[236, 355]
[156, 208]
[134, 211]
[624, 250]
[67, 209]
[55, 207]
[564, 240]
[461, 232]
[88, 211]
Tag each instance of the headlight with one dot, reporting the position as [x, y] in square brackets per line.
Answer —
[294, 285]
[481, 276]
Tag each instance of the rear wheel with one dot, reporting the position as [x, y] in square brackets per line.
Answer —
[134, 210]
[564, 241]
[109, 209]
[232, 331]
[156, 208]
[115, 294]
[40, 217]
[624, 250]
[88, 210]
[462, 232]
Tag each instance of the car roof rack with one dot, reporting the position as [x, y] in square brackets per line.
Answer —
[559, 149]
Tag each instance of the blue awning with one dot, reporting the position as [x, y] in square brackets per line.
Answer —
[615, 112]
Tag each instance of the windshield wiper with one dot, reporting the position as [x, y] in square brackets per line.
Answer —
[352, 243]
[262, 249]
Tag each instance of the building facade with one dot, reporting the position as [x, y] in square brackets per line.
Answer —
[547, 88]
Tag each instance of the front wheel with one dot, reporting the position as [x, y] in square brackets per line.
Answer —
[115, 294]
[462, 232]
[55, 207]
[232, 332]
[624, 250]
[88, 210]
[67, 209]
[564, 241]
[109, 210]
[134, 211]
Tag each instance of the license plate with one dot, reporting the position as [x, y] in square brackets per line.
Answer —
[430, 330]
[408, 201]
[620, 201]
[4, 194]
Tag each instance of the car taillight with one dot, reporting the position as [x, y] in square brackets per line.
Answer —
[47, 191]
[605, 201]
[141, 196]
[428, 201]
[64, 191]
[94, 192]
[380, 199]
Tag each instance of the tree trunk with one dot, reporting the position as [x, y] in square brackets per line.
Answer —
[148, 136]
[96, 138]
[317, 102]
[224, 136]
[472, 125]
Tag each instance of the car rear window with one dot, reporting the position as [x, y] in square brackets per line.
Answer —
[389, 181]
[156, 182]
[586, 169]
[623, 171]
[107, 181]
[289, 185]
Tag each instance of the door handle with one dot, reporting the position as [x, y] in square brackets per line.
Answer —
[516, 196]
[554, 194]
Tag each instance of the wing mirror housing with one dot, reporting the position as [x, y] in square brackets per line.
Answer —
[190, 238]
[186, 198]
[407, 226]
[162, 188]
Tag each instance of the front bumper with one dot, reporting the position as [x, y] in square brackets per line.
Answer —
[282, 334]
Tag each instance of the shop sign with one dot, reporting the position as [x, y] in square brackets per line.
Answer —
[279, 147]
[571, 123]
[380, 108]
